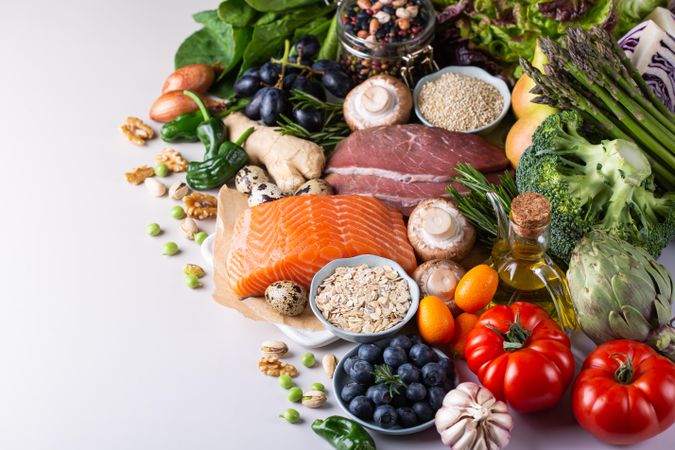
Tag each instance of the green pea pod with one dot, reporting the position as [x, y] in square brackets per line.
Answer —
[343, 433]
[183, 128]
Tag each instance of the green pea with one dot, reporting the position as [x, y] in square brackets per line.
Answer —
[294, 394]
[290, 415]
[192, 282]
[161, 170]
[200, 237]
[286, 382]
[317, 387]
[170, 248]
[177, 212]
[153, 229]
[308, 360]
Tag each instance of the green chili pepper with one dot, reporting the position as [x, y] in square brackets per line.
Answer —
[183, 128]
[212, 131]
[343, 433]
[216, 171]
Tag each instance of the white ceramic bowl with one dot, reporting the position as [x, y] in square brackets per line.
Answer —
[469, 71]
[371, 261]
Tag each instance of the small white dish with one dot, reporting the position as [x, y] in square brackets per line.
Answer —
[469, 71]
[370, 261]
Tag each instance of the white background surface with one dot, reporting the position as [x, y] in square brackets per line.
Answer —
[101, 345]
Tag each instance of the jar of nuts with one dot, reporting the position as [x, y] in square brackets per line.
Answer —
[386, 37]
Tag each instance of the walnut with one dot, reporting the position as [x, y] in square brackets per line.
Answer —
[200, 206]
[136, 130]
[173, 160]
[139, 174]
[272, 366]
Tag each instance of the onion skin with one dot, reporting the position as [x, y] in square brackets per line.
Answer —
[195, 78]
[172, 104]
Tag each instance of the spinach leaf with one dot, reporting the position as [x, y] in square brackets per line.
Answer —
[278, 5]
[224, 88]
[200, 48]
[266, 18]
[236, 12]
[317, 27]
[331, 45]
[231, 41]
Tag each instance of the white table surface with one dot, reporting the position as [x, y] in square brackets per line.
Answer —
[101, 345]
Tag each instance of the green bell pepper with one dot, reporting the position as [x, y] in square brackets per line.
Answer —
[343, 433]
[211, 131]
[183, 128]
[216, 171]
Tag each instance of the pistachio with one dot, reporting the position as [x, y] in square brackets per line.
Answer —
[155, 187]
[193, 270]
[274, 348]
[329, 363]
[189, 227]
[313, 399]
[178, 190]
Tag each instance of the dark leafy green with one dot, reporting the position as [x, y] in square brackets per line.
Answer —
[236, 12]
[279, 5]
[331, 45]
[317, 27]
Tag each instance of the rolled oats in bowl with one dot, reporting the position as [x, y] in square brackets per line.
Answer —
[363, 299]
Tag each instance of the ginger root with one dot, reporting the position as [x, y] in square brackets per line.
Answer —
[289, 160]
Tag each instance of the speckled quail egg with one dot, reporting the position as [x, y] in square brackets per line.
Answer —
[316, 186]
[264, 192]
[249, 176]
[286, 297]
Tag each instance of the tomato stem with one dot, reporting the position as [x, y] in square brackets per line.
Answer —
[515, 337]
[624, 373]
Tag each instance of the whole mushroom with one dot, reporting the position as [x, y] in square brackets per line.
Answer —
[316, 186]
[438, 230]
[264, 192]
[380, 100]
[439, 277]
[286, 297]
[249, 176]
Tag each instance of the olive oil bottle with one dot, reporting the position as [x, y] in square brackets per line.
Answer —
[526, 272]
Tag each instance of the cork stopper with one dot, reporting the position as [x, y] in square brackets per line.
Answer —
[530, 212]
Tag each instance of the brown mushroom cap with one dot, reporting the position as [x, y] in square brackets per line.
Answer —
[439, 277]
[438, 230]
[380, 100]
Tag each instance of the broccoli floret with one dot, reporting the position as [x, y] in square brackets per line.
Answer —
[606, 185]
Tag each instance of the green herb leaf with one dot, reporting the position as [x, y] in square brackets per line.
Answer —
[384, 375]
[236, 13]
[278, 5]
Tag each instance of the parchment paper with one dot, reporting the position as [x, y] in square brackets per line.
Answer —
[230, 204]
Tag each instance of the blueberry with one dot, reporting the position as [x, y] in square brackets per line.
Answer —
[416, 339]
[394, 356]
[252, 110]
[252, 72]
[379, 394]
[337, 82]
[436, 396]
[401, 341]
[269, 72]
[311, 87]
[408, 373]
[421, 354]
[385, 416]
[308, 46]
[406, 417]
[423, 411]
[323, 65]
[416, 392]
[308, 118]
[446, 364]
[370, 352]
[247, 86]
[351, 390]
[433, 374]
[399, 400]
[272, 105]
[362, 372]
[361, 407]
[347, 364]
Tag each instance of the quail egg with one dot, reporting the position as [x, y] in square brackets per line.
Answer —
[286, 297]
[316, 186]
[249, 176]
[264, 192]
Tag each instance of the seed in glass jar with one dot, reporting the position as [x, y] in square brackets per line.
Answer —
[460, 103]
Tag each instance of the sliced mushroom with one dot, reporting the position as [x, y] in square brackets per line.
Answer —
[380, 100]
[438, 230]
[439, 277]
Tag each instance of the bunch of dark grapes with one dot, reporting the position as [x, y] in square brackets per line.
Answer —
[269, 89]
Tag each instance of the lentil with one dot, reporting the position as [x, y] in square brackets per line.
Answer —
[460, 103]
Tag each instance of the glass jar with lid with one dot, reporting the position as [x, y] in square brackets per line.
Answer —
[386, 36]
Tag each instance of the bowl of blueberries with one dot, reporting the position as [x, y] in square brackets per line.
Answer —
[393, 386]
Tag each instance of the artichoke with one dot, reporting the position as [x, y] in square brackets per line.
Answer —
[620, 292]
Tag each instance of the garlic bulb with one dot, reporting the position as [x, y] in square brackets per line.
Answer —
[471, 418]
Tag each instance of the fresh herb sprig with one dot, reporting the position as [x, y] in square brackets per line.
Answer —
[475, 205]
[384, 375]
[334, 128]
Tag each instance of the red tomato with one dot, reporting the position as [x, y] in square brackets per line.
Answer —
[625, 393]
[521, 355]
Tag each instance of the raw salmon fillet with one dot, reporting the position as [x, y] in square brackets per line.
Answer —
[292, 238]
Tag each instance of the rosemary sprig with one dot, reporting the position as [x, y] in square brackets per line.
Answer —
[334, 128]
[475, 205]
[383, 375]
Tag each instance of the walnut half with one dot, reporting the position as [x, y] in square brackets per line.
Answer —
[272, 366]
[136, 130]
[139, 174]
[200, 206]
[173, 160]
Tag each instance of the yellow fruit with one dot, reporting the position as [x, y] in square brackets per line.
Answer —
[520, 135]
[434, 321]
[521, 98]
[463, 324]
[476, 288]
